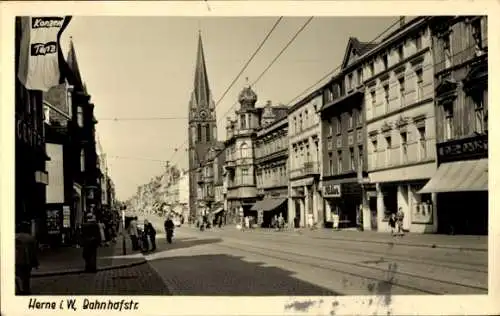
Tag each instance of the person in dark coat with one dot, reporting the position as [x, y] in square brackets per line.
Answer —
[91, 240]
[26, 258]
[150, 231]
[169, 229]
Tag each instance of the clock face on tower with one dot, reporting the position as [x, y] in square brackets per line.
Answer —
[203, 114]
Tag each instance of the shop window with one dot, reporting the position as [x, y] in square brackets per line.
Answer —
[404, 147]
[352, 163]
[422, 143]
[339, 161]
[448, 121]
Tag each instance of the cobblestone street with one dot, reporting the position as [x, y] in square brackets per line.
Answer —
[137, 280]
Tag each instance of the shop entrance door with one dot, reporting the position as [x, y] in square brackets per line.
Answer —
[373, 212]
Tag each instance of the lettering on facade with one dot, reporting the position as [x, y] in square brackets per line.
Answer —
[463, 148]
[46, 22]
[332, 190]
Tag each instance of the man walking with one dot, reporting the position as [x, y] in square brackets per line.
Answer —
[134, 233]
[26, 257]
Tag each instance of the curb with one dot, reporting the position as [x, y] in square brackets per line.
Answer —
[395, 243]
[392, 242]
[81, 271]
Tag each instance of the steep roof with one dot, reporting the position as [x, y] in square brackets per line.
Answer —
[73, 66]
[201, 93]
[355, 49]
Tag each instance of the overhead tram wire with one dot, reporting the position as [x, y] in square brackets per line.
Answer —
[294, 37]
[225, 92]
[159, 118]
[340, 65]
[278, 21]
[329, 73]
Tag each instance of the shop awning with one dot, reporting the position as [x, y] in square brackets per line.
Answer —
[218, 210]
[459, 176]
[268, 204]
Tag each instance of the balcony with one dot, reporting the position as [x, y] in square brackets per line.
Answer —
[230, 164]
[308, 169]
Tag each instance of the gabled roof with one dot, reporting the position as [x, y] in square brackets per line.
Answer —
[354, 46]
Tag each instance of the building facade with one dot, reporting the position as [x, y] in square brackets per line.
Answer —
[400, 124]
[202, 125]
[240, 159]
[305, 207]
[271, 161]
[344, 168]
[460, 47]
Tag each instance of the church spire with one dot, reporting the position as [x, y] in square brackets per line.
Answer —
[202, 97]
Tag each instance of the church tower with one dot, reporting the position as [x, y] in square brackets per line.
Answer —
[202, 123]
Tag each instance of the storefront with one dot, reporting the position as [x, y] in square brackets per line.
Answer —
[342, 202]
[399, 188]
[461, 186]
[274, 204]
[304, 204]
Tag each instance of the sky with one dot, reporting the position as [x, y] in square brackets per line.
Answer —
[143, 67]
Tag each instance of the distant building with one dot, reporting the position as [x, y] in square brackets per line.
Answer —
[209, 180]
[271, 160]
[305, 202]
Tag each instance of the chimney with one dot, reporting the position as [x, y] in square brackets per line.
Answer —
[401, 21]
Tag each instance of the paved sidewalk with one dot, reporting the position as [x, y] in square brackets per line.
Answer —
[69, 260]
[459, 242]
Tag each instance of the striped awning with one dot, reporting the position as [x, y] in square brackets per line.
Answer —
[459, 176]
[268, 204]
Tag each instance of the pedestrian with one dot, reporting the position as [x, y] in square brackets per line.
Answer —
[392, 223]
[102, 228]
[247, 222]
[151, 233]
[26, 258]
[134, 233]
[281, 222]
[91, 240]
[399, 219]
[169, 229]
